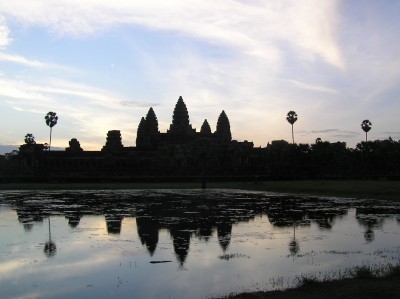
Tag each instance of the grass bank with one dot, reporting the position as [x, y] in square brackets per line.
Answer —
[389, 190]
[374, 189]
[363, 285]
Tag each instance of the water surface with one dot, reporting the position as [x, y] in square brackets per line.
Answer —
[184, 243]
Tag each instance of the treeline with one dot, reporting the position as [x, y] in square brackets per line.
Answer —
[278, 160]
[323, 159]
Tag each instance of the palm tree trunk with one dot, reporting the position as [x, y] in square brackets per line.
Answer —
[50, 138]
[49, 230]
[292, 135]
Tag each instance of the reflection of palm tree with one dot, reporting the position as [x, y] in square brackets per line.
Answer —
[370, 222]
[50, 247]
[294, 247]
[369, 235]
[292, 118]
[366, 126]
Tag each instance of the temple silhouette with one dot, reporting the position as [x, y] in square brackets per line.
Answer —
[181, 151]
[181, 154]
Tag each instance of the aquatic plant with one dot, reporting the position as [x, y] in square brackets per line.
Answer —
[229, 256]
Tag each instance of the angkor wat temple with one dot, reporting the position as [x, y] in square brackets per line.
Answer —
[179, 152]
[183, 153]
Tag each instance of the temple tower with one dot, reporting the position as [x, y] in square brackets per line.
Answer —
[74, 146]
[223, 131]
[141, 134]
[147, 133]
[205, 129]
[113, 142]
[180, 120]
[151, 122]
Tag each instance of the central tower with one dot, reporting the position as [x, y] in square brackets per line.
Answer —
[180, 120]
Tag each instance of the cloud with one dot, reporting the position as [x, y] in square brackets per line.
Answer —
[32, 63]
[64, 90]
[254, 28]
[89, 110]
[255, 59]
[22, 60]
[137, 104]
[312, 87]
[5, 39]
[391, 133]
[254, 42]
[370, 46]
[336, 133]
[324, 131]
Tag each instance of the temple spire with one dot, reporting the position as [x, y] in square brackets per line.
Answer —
[180, 119]
[223, 131]
[141, 133]
[151, 122]
[147, 133]
[205, 129]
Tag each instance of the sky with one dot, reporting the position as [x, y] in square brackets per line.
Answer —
[101, 64]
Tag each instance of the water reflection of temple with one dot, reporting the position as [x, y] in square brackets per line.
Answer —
[182, 226]
[206, 215]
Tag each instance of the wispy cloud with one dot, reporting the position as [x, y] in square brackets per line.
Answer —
[90, 110]
[391, 132]
[338, 133]
[255, 59]
[137, 104]
[57, 90]
[22, 60]
[5, 39]
[18, 59]
[312, 87]
[325, 131]
[253, 27]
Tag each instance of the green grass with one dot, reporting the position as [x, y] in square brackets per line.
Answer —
[373, 189]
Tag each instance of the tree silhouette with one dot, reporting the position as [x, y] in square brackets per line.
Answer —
[292, 118]
[366, 126]
[50, 248]
[294, 247]
[51, 120]
[29, 139]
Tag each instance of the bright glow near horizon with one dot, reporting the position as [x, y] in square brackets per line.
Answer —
[101, 64]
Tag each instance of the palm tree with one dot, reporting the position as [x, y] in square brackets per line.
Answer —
[29, 139]
[51, 120]
[292, 118]
[366, 126]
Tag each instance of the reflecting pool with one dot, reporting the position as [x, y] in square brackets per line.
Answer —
[184, 243]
